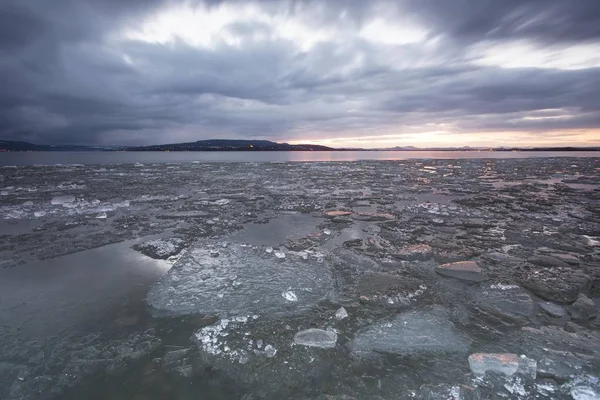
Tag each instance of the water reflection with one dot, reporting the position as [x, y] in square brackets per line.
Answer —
[52, 158]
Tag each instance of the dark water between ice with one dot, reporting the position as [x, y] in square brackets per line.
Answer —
[89, 158]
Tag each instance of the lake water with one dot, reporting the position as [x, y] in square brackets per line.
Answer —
[52, 158]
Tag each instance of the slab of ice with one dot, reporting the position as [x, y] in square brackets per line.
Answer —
[270, 351]
[509, 302]
[410, 333]
[316, 338]
[504, 363]
[60, 200]
[242, 280]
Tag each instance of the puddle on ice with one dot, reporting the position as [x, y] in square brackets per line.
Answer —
[277, 230]
[75, 289]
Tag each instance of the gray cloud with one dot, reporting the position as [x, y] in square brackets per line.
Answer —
[69, 74]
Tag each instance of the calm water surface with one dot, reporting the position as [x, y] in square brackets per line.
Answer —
[51, 158]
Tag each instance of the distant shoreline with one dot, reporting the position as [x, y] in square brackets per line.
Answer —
[229, 145]
[292, 151]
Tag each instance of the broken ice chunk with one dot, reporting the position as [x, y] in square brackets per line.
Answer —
[15, 214]
[316, 338]
[527, 367]
[102, 216]
[270, 351]
[269, 250]
[280, 254]
[341, 313]
[60, 200]
[221, 202]
[327, 231]
[39, 214]
[504, 363]
[480, 363]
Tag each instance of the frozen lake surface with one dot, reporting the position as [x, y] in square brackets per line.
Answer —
[466, 278]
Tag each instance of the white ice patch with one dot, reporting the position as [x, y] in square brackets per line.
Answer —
[402, 298]
[592, 240]
[501, 286]
[516, 387]
[279, 254]
[584, 388]
[289, 296]
[341, 313]
[123, 204]
[212, 339]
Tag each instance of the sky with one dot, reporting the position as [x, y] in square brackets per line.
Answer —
[343, 73]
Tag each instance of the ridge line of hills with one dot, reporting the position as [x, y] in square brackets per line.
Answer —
[256, 145]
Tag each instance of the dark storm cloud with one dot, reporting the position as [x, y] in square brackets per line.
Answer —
[544, 20]
[69, 74]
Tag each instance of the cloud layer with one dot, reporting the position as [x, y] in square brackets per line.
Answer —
[349, 73]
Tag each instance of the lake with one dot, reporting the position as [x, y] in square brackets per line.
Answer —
[90, 158]
[298, 280]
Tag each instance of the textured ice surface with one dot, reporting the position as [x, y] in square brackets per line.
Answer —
[409, 333]
[316, 338]
[240, 280]
[511, 303]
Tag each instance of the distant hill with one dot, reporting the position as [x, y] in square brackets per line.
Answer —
[9, 145]
[231, 145]
[253, 145]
